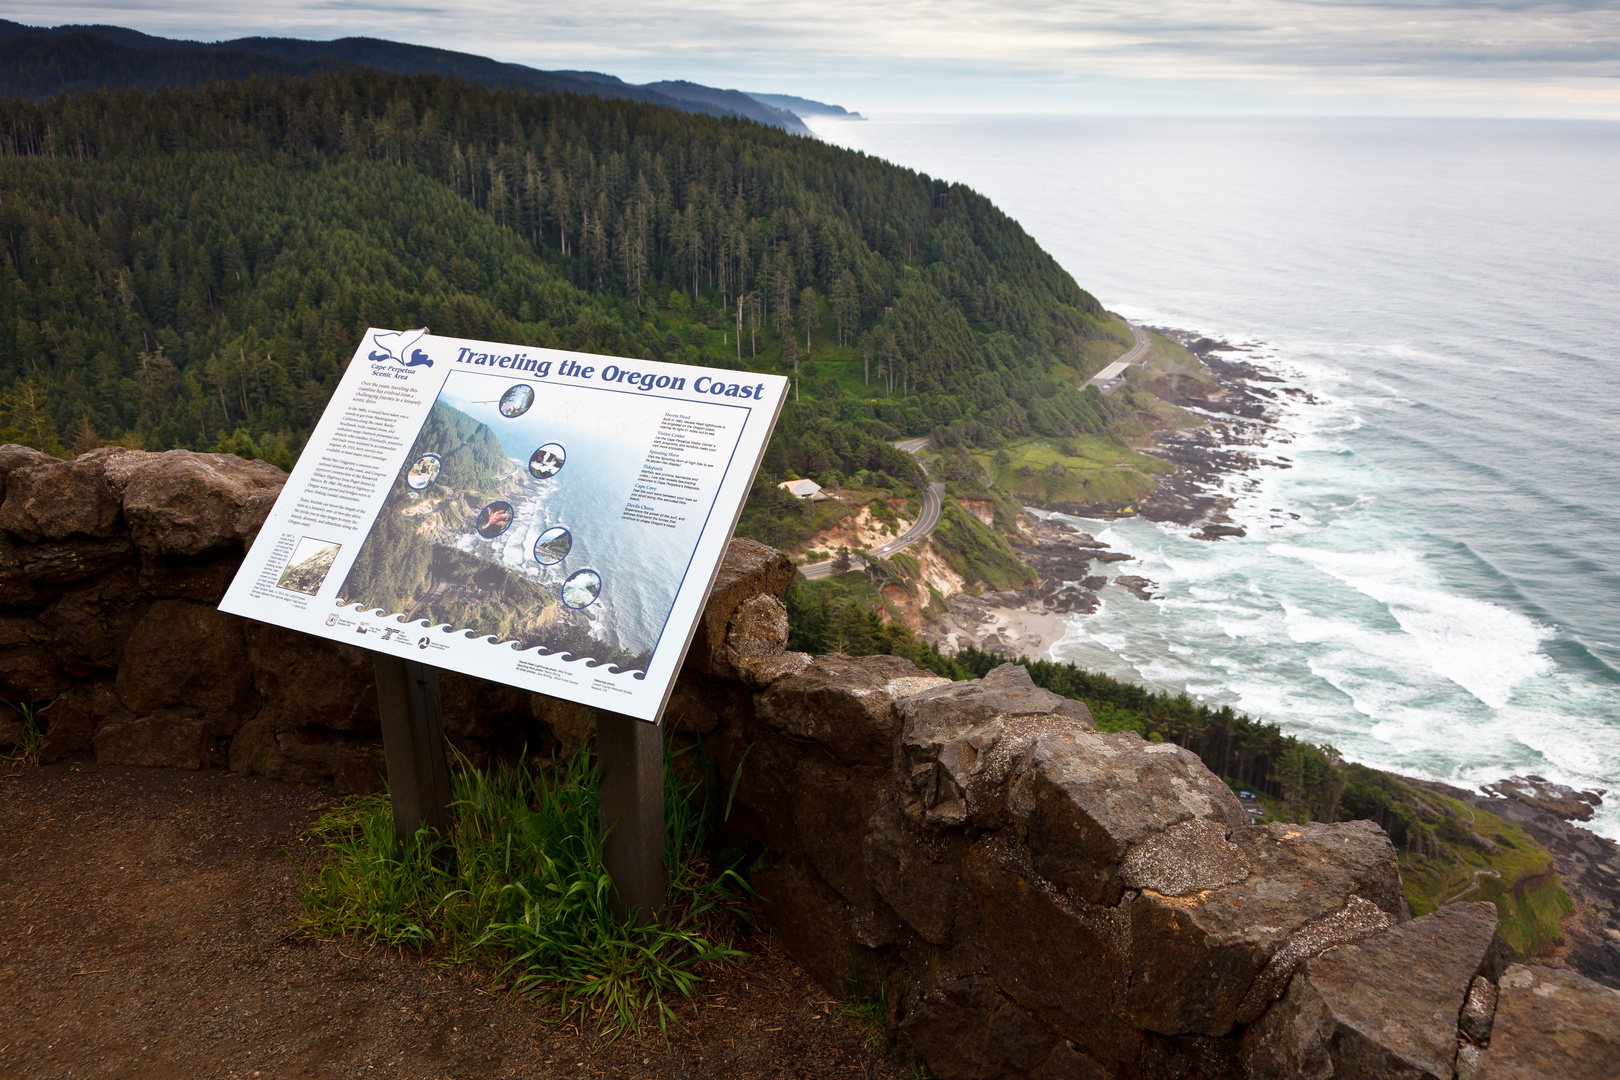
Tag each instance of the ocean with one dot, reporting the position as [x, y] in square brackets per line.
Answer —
[1432, 586]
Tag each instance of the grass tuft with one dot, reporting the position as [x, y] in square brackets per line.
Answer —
[32, 740]
[519, 887]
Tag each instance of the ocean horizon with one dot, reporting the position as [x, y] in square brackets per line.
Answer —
[1428, 586]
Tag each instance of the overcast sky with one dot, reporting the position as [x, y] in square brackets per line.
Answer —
[1430, 57]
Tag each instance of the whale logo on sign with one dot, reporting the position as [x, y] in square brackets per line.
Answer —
[396, 345]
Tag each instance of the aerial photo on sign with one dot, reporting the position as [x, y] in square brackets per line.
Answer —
[508, 521]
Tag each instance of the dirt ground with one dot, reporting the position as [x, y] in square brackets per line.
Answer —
[143, 934]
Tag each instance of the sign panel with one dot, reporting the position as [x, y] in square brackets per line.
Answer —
[546, 519]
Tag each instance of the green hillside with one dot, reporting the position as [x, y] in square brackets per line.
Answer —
[193, 267]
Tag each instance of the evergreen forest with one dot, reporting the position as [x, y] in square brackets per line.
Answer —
[193, 267]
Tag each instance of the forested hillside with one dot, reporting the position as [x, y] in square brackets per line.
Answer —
[194, 267]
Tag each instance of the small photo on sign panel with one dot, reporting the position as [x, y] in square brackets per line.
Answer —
[311, 561]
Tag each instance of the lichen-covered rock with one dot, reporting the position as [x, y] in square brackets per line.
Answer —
[53, 500]
[749, 569]
[1359, 918]
[1384, 1006]
[1479, 1010]
[755, 652]
[846, 704]
[1082, 797]
[1204, 961]
[1552, 1022]
[951, 708]
[1191, 857]
[183, 503]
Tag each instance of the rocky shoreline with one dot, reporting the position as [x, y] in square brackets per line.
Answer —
[1239, 417]
[1070, 568]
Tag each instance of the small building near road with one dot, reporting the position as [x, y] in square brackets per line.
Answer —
[805, 489]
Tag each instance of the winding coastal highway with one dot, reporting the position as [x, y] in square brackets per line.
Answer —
[933, 503]
[1107, 375]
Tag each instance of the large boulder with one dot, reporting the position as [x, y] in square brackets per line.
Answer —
[1552, 1022]
[183, 503]
[1250, 908]
[1007, 690]
[755, 652]
[846, 704]
[1388, 1005]
[1082, 797]
[53, 500]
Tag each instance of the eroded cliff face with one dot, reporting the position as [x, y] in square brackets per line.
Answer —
[1035, 898]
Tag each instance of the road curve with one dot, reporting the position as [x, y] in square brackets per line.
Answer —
[933, 504]
[1117, 368]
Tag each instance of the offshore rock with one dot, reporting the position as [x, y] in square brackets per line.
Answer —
[1552, 1022]
[1384, 1006]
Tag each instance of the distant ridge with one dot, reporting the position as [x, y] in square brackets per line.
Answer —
[41, 62]
[804, 106]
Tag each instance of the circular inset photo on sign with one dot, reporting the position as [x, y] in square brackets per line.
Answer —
[423, 471]
[581, 589]
[547, 461]
[553, 546]
[516, 401]
[494, 519]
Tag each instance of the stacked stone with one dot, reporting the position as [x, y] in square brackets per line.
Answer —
[110, 569]
[1038, 899]
[1034, 897]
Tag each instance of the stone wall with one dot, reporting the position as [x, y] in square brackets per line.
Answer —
[1031, 897]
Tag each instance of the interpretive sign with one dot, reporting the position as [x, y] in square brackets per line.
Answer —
[550, 520]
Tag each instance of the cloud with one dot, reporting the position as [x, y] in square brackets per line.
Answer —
[1559, 56]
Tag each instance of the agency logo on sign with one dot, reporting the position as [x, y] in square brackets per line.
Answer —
[399, 347]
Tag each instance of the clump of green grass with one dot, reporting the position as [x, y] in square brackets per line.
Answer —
[519, 887]
[26, 749]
